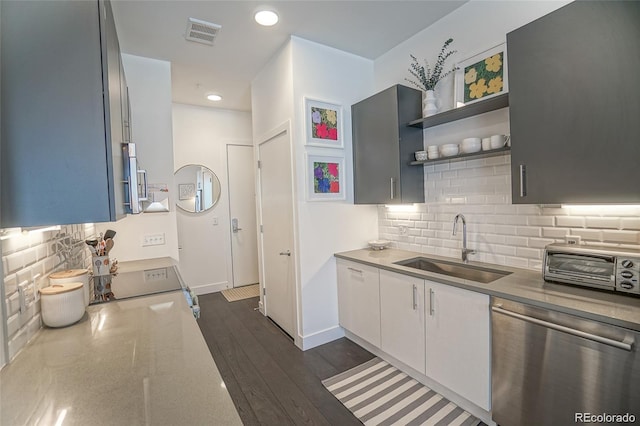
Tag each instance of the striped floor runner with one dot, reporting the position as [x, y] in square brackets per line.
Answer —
[379, 394]
[240, 293]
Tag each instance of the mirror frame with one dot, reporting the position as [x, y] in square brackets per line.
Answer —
[216, 189]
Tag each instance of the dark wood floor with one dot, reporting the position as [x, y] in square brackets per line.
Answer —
[270, 380]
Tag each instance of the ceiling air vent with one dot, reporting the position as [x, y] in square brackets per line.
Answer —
[202, 31]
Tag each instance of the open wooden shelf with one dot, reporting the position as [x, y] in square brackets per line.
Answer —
[479, 154]
[491, 104]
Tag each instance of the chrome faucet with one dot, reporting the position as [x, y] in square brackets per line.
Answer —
[465, 251]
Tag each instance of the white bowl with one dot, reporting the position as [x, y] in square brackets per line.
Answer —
[62, 304]
[449, 149]
[470, 145]
[421, 155]
[433, 155]
[379, 244]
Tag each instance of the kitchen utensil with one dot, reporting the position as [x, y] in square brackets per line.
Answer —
[109, 234]
[470, 145]
[70, 276]
[62, 304]
[108, 245]
[449, 149]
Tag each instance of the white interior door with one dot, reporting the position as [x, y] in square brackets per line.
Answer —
[276, 201]
[242, 211]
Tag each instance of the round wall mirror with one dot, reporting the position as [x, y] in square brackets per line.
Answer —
[197, 188]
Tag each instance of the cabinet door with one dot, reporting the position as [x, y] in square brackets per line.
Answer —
[402, 318]
[458, 341]
[56, 154]
[376, 161]
[359, 300]
[574, 105]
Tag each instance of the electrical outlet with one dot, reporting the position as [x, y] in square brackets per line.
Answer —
[159, 274]
[572, 239]
[153, 240]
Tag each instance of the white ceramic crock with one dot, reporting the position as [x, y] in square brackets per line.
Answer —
[73, 276]
[62, 304]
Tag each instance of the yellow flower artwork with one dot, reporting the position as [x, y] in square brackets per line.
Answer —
[484, 77]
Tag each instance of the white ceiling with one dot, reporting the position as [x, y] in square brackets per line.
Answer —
[155, 29]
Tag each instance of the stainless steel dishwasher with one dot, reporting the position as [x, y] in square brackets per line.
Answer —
[550, 368]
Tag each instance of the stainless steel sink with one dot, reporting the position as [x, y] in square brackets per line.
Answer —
[466, 272]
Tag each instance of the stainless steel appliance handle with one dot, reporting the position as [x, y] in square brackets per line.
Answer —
[392, 189]
[354, 269]
[523, 180]
[431, 307]
[562, 328]
[144, 193]
[415, 297]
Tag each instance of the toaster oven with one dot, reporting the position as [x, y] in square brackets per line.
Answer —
[605, 268]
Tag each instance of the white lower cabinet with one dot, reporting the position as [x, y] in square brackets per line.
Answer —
[359, 300]
[402, 318]
[458, 341]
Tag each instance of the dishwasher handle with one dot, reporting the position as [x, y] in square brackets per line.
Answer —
[615, 343]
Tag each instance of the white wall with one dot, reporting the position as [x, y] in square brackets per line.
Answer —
[302, 68]
[324, 228]
[200, 137]
[149, 82]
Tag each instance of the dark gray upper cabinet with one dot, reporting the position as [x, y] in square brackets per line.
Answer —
[61, 114]
[574, 96]
[383, 146]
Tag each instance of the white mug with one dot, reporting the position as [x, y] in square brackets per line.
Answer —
[486, 144]
[498, 141]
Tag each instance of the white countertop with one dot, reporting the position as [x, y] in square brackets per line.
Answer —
[137, 361]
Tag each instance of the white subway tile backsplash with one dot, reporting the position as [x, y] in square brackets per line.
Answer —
[629, 237]
[570, 221]
[630, 223]
[588, 234]
[502, 233]
[27, 259]
[602, 222]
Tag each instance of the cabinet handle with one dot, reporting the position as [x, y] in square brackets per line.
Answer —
[431, 308]
[523, 180]
[392, 189]
[354, 269]
[415, 297]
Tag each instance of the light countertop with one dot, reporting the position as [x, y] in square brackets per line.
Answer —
[521, 285]
[131, 362]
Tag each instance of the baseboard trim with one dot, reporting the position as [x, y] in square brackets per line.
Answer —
[321, 337]
[209, 288]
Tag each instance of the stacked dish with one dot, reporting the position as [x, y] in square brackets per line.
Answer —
[470, 145]
[432, 151]
[449, 150]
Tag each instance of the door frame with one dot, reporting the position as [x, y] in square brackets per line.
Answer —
[247, 143]
[264, 308]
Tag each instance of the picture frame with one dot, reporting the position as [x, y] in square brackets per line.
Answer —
[323, 124]
[326, 178]
[187, 191]
[482, 76]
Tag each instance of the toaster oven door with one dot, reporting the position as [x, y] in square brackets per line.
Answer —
[589, 270]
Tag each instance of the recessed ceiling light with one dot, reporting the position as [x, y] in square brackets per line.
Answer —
[267, 18]
[214, 97]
